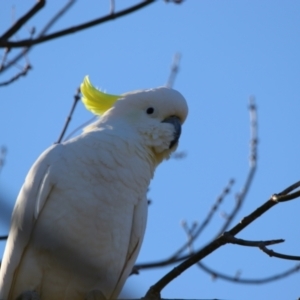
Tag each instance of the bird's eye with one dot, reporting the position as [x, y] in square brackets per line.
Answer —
[150, 110]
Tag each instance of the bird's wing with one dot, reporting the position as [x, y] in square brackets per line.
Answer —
[30, 201]
[136, 239]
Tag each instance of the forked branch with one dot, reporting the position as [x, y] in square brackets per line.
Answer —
[155, 290]
[4, 43]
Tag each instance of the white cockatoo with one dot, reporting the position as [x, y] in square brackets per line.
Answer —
[80, 217]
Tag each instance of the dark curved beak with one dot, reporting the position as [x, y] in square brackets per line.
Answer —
[177, 129]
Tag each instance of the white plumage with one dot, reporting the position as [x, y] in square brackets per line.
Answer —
[80, 217]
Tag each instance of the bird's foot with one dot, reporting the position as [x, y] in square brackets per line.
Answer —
[29, 295]
[95, 295]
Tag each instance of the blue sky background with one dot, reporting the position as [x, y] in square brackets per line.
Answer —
[230, 50]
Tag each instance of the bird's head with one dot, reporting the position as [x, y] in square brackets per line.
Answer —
[155, 114]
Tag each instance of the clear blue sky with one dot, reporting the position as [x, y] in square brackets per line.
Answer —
[230, 50]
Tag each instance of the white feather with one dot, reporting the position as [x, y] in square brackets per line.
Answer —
[80, 217]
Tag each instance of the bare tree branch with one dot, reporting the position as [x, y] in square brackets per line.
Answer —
[68, 120]
[6, 51]
[174, 70]
[74, 29]
[154, 291]
[80, 127]
[276, 254]
[3, 152]
[236, 279]
[265, 207]
[288, 197]
[233, 240]
[112, 6]
[11, 31]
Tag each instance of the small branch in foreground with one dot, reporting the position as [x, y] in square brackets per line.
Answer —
[68, 120]
[3, 238]
[155, 290]
[233, 240]
[74, 29]
[284, 198]
[276, 254]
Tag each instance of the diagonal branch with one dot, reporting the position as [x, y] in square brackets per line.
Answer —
[233, 240]
[23, 52]
[80, 127]
[12, 30]
[155, 290]
[74, 29]
[174, 70]
[206, 221]
[68, 120]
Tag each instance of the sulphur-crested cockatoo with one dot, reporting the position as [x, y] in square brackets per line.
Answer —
[80, 217]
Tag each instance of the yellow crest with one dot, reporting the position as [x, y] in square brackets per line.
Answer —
[94, 100]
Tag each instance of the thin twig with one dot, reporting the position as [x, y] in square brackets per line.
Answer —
[174, 70]
[261, 210]
[287, 191]
[278, 255]
[189, 231]
[240, 197]
[284, 198]
[112, 7]
[3, 238]
[233, 240]
[236, 279]
[75, 101]
[80, 127]
[3, 60]
[56, 17]
[3, 153]
[179, 155]
[74, 29]
[12, 30]
[175, 1]
[208, 218]
[160, 263]
[177, 257]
